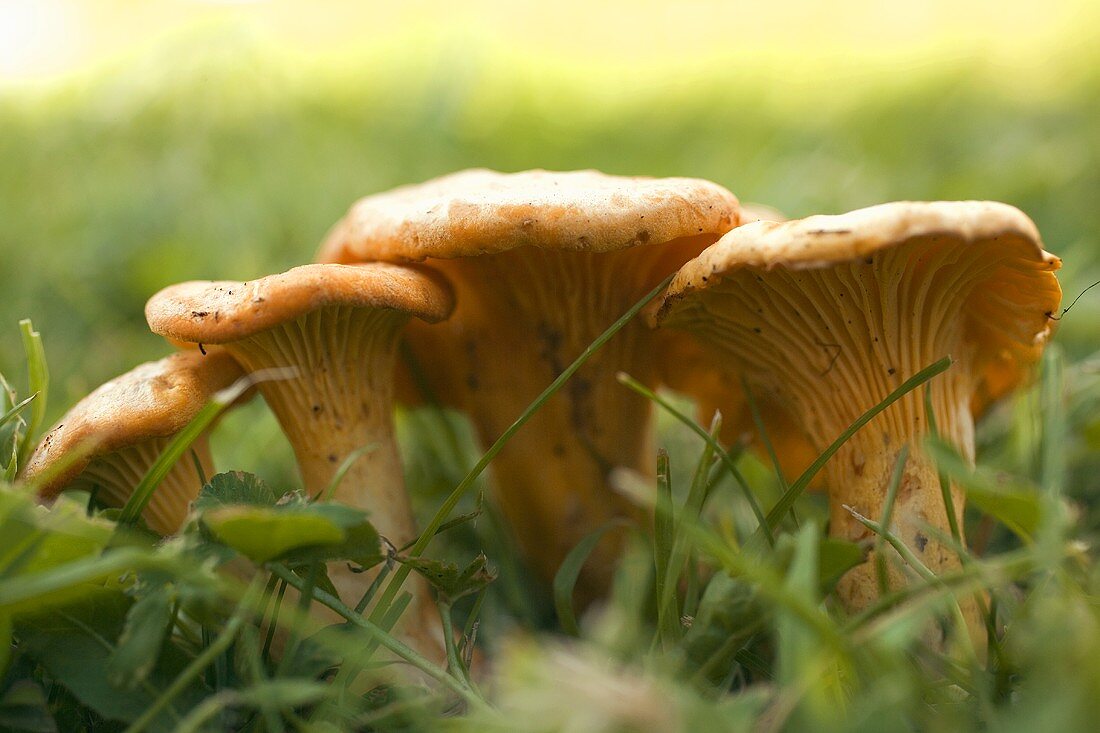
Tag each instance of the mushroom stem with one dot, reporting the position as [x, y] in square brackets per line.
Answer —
[340, 400]
[828, 344]
[525, 315]
[116, 474]
[860, 472]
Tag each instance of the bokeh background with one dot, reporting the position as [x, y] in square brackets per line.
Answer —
[143, 143]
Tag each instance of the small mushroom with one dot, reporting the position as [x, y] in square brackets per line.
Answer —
[112, 437]
[336, 327]
[825, 316]
[542, 263]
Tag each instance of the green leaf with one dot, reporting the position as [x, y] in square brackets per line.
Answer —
[36, 541]
[361, 545]
[23, 708]
[233, 488]
[794, 638]
[451, 581]
[837, 557]
[282, 693]
[729, 614]
[75, 644]
[143, 634]
[265, 533]
[1015, 504]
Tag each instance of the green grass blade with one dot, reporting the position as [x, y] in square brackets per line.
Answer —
[945, 482]
[566, 577]
[664, 540]
[722, 454]
[342, 471]
[758, 421]
[668, 603]
[1053, 411]
[203, 660]
[887, 517]
[27, 587]
[38, 378]
[14, 412]
[383, 637]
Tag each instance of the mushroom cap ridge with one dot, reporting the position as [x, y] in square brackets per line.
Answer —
[154, 400]
[481, 211]
[825, 240]
[225, 311]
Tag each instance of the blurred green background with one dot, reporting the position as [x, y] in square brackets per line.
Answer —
[147, 143]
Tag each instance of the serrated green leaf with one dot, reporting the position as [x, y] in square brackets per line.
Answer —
[451, 581]
[143, 634]
[233, 488]
[265, 533]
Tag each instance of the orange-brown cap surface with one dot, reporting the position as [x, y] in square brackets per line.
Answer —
[221, 312]
[155, 400]
[482, 211]
[1008, 319]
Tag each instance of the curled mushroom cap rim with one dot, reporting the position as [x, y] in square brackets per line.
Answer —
[217, 312]
[823, 240]
[480, 211]
[154, 400]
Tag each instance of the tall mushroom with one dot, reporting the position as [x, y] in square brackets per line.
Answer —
[337, 327]
[827, 315]
[542, 263]
[112, 437]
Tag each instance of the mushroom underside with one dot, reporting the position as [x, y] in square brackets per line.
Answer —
[826, 344]
[523, 316]
[114, 477]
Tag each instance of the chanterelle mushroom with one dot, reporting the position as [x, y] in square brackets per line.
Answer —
[827, 315]
[112, 437]
[542, 263]
[337, 327]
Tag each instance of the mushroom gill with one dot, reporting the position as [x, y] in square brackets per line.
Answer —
[110, 440]
[334, 330]
[826, 316]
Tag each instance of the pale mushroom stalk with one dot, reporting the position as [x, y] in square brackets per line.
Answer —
[552, 477]
[110, 440]
[334, 330]
[337, 399]
[826, 316]
[542, 264]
